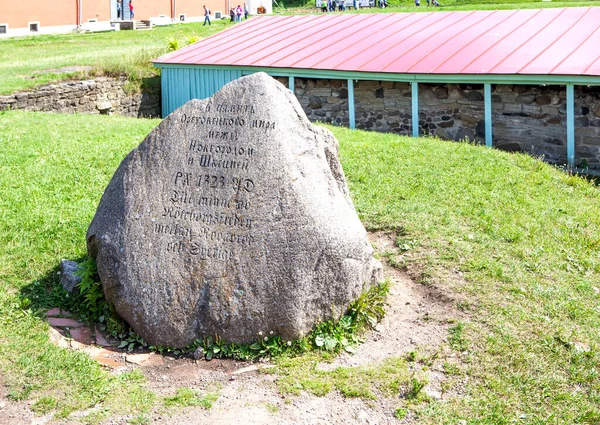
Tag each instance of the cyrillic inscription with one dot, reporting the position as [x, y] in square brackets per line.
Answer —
[204, 189]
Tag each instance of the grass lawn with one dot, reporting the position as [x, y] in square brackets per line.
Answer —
[518, 239]
[26, 62]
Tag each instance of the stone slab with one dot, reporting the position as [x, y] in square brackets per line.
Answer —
[231, 218]
[82, 335]
[60, 322]
[145, 359]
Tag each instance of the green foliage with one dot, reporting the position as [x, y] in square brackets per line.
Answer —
[416, 385]
[369, 308]
[343, 334]
[173, 44]
[331, 336]
[517, 239]
[189, 397]
[400, 413]
[457, 339]
[302, 374]
[44, 405]
[90, 289]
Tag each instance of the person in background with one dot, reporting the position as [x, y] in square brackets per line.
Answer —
[417, 2]
[238, 13]
[323, 6]
[245, 11]
[206, 16]
[232, 14]
[119, 7]
[341, 5]
[131, 13]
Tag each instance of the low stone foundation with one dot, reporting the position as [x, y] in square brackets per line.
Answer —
[525, 118]
[100, 96]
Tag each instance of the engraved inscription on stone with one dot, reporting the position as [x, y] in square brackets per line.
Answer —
[213, 185]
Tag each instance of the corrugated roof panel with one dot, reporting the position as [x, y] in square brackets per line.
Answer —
[545, 41]
[581, 58]
[453, 40]
[444, 49]
[594, 69]
[539, 42]
[387, 47]
[261, 49]
[494, 57]
[305, 42]
[331, 41]
[333, 55]
[460, 58]
[561, 47]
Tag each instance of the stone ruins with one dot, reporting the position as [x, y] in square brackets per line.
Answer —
[231, 218]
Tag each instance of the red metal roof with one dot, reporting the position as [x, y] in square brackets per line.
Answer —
[537, 41]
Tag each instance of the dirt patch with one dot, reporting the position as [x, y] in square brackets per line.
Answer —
[418, 318]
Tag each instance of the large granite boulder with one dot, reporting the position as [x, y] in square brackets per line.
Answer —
[232, 217]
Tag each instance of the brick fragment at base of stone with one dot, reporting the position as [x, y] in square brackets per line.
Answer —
[100, 339]
[61, 322]
[82, 335]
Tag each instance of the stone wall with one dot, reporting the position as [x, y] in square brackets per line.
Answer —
[525, 118]
[100, 96]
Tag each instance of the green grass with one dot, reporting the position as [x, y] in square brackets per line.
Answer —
[186, 397]
[526, 238]
[518, 239]
[25, 61]
[390, 378]
[52, 173]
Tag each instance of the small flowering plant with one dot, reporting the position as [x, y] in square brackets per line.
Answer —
[268, 346]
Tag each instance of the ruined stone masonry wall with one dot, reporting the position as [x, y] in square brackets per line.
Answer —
[100, 96]
[529, 119]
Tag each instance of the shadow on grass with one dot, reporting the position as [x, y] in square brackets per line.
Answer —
[47, 292]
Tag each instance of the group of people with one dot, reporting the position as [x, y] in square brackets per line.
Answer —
[120, 9]
[429, 3]
[330, 5]
[236, 13]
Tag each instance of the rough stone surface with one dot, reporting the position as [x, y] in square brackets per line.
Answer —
[68, 279]
[529, 116]
[100, 96]
[232, 218]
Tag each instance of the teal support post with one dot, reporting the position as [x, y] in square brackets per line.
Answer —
[291, 83]
[487, 100]
[415, 108]
[351, 117]
[570, 125]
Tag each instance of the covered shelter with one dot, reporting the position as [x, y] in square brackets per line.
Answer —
[451, 53]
